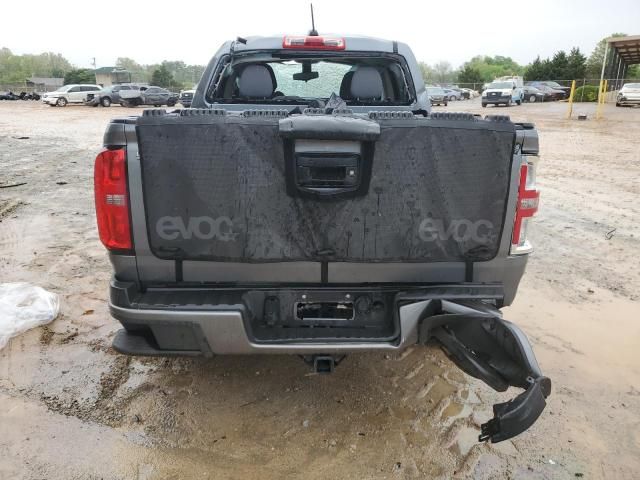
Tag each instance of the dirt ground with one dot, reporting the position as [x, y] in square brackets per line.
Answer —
[70, 408]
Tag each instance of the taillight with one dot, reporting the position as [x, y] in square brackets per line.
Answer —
[313, 43]
[527, 206]
[112, 200]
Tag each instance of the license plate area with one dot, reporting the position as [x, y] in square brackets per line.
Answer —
[319, 314]
[322, 311]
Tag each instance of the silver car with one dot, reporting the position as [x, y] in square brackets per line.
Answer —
[437, 96]
[629, 94]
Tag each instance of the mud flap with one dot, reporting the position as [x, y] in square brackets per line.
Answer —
[484, 345]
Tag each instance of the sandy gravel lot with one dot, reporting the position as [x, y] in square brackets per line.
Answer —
[70, 408]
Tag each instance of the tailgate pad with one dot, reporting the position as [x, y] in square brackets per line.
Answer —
[215, 189]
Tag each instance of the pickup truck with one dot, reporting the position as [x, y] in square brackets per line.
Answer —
[310, 203]
[503, 90]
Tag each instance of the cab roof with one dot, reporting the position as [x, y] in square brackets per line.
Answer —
[352, 43]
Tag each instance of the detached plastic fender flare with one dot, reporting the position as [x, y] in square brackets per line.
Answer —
[484, 345]
[515, 416]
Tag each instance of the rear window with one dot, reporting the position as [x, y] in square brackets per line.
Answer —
[330, 76]
[271, 79]
[631, 85]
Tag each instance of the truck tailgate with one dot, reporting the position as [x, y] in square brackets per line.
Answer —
[255, 189]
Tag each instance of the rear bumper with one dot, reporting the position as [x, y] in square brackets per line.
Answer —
[628, 100]
[180, 322]
[463, 319]
[496, 100]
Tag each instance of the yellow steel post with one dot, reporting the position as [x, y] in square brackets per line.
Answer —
[573, 91]
[600, 95]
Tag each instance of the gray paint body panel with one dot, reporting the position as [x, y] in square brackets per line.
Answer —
[225, 330]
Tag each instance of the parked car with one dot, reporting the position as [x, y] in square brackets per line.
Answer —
[470, 93]
[22, 96]
[109, 95]
[555, 86]
[76, 93]
[453, 94]
[437, 96]
[185, 98]
[532, 94]
[629, 94]
[9, 96]
[550, 93]
[502, 93]
[258, 221]
[156, 96]
[466, 95]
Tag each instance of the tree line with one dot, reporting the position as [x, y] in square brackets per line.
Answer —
[17, 68]
[177, 74]
[169, 74]
[561, 66]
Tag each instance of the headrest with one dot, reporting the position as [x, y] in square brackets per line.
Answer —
[367, 84]
[345, 85]
[256, 81]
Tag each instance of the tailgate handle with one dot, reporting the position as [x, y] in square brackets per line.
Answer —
[328, 157]
[320, 172]
[327, 174]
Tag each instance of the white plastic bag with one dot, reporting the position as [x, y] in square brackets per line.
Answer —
[24, 306]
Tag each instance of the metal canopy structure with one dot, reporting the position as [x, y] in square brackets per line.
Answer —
[628, 48]
[625, 51]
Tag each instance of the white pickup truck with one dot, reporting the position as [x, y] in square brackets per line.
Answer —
[504, 91]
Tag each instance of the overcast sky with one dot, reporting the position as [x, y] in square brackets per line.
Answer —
[151, 31]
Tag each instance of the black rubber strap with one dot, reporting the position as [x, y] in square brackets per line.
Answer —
[324, 272]
[179, 275]
[468, 271]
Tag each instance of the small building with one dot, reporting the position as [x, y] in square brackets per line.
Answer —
[44, 84]
[107, 76]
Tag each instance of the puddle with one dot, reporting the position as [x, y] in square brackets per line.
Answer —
[454, 411]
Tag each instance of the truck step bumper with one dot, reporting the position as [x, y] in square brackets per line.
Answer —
[132, 343]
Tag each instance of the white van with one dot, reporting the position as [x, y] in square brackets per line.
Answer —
[504, 90]
[70, 94]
